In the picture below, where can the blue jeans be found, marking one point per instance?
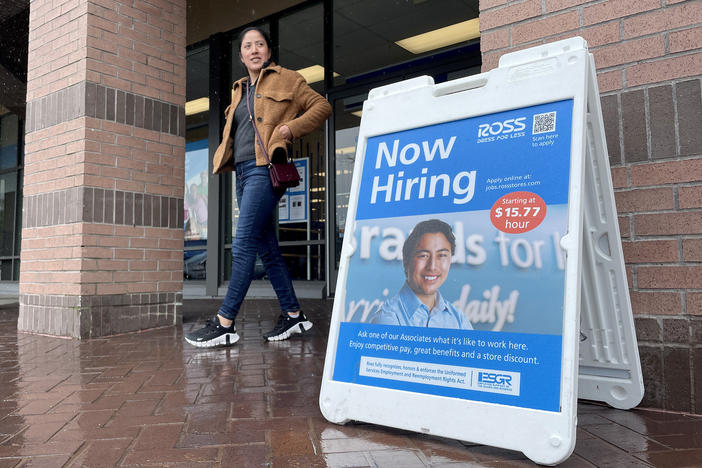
(255, 233)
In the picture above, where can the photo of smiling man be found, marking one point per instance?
(426, 258)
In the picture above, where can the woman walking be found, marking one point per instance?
(282, 106)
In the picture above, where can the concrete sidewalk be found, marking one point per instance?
(150, 399)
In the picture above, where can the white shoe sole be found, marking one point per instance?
(298, 328)
(227, 339)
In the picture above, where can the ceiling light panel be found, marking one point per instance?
(442, 37)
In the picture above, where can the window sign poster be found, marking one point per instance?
(297, 207)
(456, 279)
(292, 207)
(283, 207)
(196, 186)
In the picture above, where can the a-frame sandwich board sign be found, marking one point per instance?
(481, 223)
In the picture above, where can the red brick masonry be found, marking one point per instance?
(102, 237)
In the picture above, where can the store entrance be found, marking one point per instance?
(342, 49)
(302, 212)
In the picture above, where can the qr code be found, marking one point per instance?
(544, 123)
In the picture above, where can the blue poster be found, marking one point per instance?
(196, 187)
(456, 281)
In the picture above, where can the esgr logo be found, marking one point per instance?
(503, 127)
(494, 378)
(497, 381)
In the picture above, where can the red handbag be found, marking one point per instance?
(283, 175)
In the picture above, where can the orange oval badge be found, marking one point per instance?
(518, 212)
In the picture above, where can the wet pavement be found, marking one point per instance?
(150, 399)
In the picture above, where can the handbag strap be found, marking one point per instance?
(251, 119)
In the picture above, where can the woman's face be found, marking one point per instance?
(254, 51)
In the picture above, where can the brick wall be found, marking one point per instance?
(648, 55)
(102, 227)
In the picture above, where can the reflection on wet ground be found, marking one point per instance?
(150, 399)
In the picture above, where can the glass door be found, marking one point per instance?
(345, 125)
(302, 211)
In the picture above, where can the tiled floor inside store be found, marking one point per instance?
(150, 399)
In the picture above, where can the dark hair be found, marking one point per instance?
(425, 227)
(266, 37)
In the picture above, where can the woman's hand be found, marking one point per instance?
(285, 132)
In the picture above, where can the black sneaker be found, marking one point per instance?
(213, 334)
(288, 326)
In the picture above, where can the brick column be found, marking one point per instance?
(102, 227)
(649, 63)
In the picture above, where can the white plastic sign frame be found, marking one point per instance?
(609, 368)
(483, 403)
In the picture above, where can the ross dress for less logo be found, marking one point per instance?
(502, 127)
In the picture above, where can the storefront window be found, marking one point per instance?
(14, 37)
(9, 141)
(8, 206)
(10, 199)
(302, 44)
(196, 164)
(347, 118)
(302, 213)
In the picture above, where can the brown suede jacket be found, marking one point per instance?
(282, 98)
